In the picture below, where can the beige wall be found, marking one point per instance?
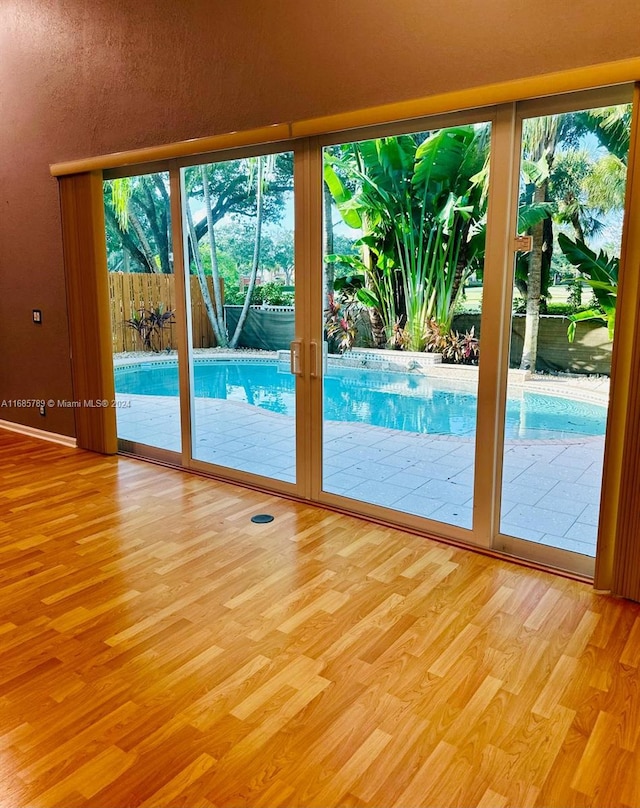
(86, 77)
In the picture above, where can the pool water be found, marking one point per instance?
(401, 401)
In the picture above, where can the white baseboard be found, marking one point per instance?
(42, 434)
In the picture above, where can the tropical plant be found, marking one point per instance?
(461, 349)
(343, 315)
(272, 294)
(605, 187)
(600, 272)
(574, 298)
(418, 202)
(612, 127)
(577, 186)
(540, 138)
(340, 327)
(149, 326)
(138, 224)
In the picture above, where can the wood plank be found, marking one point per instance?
(157, 648)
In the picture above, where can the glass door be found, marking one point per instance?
(397, 391)
(238, 225)
(143, 299)
(570, 210)
(404, 235)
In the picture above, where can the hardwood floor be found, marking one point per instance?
(159, 649)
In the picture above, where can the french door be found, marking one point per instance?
(346, 325)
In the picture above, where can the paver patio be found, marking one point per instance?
(551, 489)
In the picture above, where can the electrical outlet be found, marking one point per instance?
(37, 316)
(43, 409)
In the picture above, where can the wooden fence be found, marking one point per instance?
(130, 292)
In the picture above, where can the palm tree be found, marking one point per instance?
(260, 181)
(540, 138)
(214, 312)
(576, 190)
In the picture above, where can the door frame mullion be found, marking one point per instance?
(308, 254)
(497, 292)
(183, 306)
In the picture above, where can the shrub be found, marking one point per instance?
(456, 348)
(339, 325)
(149, 325)
(269, 294)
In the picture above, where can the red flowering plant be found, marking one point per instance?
(339, 324)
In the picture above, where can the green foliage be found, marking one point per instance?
(601, 273)
(418, 202)
(235, 241)
(612, 127)
(272, 294)
(245, 195)
(232, 186)
(138, 224)
(345, 316)
(149, 326)
(340, 326)
(269, 294)
(121, 190)
(574, 299)
(227, 267)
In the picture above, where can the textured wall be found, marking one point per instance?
(86, 77)
(590, 352)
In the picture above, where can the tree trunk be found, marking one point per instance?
(534, 287)
(157, 218)
(144, 242)
(256, 255)
(378, 331)
(329, 266)
(130, 248)
(219, 333)
(219, 312)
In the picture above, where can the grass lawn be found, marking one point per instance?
(473, 296)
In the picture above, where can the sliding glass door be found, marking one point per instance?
(404, 233)
(143, 299)
(392, 357)
(571, 204)
(238, 222)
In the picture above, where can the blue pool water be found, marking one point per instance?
(400, 401)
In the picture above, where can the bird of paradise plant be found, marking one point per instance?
(418, 205)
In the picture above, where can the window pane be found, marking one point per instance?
(572, 186)
(142, 298)
(404, 233)
(238, 221)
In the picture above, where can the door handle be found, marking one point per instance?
(315, 370)
(295, 354)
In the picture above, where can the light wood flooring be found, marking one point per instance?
(159, 649)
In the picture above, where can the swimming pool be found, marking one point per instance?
(401, 401)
